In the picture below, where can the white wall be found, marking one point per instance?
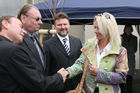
(11, 7)
(77, 31)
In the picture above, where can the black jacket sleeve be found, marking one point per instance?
(26, 74)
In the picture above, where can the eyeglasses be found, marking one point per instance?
(37, 19)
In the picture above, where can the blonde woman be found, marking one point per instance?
(108, 64)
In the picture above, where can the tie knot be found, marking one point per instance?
(32, 37)
(64, 40)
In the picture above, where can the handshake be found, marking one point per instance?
(63, 73)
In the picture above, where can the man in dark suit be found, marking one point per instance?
(129, 41)
(18, 72)
(31, 20)
(62, 50)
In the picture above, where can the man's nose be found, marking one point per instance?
(40, 21)
(63, 26)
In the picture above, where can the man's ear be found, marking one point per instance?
(54, 26)
(5, 24)
(23, 18)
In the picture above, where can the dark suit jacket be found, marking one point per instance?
(57, 57)
(19, 73)
(31, 48)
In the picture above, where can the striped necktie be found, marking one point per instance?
(38, 49)
(66, 46)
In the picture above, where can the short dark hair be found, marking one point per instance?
(60, 15)
(128, 25)
(25, 9)
(7, 18)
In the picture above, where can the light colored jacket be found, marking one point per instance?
(111, 72)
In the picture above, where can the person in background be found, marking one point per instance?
(129, 41)
(62, 50)
(108, 65)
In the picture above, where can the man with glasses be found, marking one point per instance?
(31, 20)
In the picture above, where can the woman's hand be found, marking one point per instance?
(93, 69)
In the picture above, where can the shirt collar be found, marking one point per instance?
(30, 35)
(107, 47)
(61, 38)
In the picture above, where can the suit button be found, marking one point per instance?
(106, 61)
(106, 88)
(105, 68)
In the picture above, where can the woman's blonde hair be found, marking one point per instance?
(108, 25)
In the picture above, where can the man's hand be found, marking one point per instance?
(63, 73)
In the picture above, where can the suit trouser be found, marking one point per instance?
(96, 90)
(128, 87)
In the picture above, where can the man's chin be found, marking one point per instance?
(63, 35)
(37, 29)
(20, 40)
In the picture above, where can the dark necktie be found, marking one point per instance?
(66, 46)
(38, 48)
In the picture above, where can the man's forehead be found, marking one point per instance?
(15, 20)
(33, 11)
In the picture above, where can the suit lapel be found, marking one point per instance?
(59, 45)
(72, 45)
(31, 46)
(44, 57)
